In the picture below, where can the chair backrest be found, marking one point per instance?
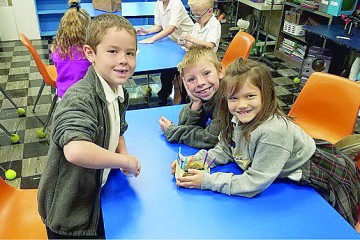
(49, 77)
(221, 17)
(19, 217)
(240, 46)
(327, 107)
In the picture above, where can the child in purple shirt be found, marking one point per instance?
(67, 53)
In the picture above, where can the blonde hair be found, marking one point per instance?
(202, 4)
(100, 24)
(196, 54)
(72, 30)
(235, 76)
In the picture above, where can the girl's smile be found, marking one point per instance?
(246, 103)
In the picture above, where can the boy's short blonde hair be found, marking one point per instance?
(202, 4)
(100, 24)
(195, 55)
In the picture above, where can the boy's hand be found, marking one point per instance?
(142, 31)
(191, 181)
(132, 167)
(197, 102)
(185, 36)
(164, 123)
(181, 42)
(147, 40)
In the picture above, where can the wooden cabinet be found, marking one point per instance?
(289, 38)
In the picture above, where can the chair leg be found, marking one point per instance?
(8, 97)
(38, 96)
(51, 110)
(5, 130)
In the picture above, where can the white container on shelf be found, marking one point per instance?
(293, 29)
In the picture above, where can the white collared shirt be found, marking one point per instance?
(211, 32)
(175, 14)
(114, 114)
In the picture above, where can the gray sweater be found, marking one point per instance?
(194, 128)
(69, 195)
(276, 149)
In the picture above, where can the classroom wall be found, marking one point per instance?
(18, 16)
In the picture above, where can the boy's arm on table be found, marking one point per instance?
(191, 40)
(164, 33)
(192, 129)
(152, 29)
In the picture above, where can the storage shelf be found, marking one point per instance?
(316, 16)
(285, 57)
(300, 38)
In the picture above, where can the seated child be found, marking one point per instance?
(207, 29)
(67, 50)
(87, 138)
(206, 32)
(201, 72)
(266, 144)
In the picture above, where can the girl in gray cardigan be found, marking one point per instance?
(266, 144)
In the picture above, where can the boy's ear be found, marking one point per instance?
(211, 10)
(89, 53)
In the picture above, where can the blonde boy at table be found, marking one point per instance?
(206, 32)
(87, 138)
(171, 19)
(201, 72)
(207, 29)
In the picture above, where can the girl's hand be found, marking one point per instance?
(132, 167)
(147, 40)
(193, 181)
(164, 123)
(197, 102)
(173, 167)
(142, 31)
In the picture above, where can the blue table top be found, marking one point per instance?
(129, 9)
(161, 55)
(330, 32)
(152, 207)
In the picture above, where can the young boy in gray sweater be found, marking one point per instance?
(87, 138)
(201, 72)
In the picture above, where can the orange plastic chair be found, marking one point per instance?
(19, 217)
(327, 107)
(240, 46)
(48, 72)
(221, 17)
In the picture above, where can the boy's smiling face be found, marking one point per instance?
(202, 79)
(115, 57)
(200, 14)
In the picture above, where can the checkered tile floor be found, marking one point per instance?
(20, 78)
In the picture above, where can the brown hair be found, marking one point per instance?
(236, 75)
(72, 30)
(100, 24)
(196, 54)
